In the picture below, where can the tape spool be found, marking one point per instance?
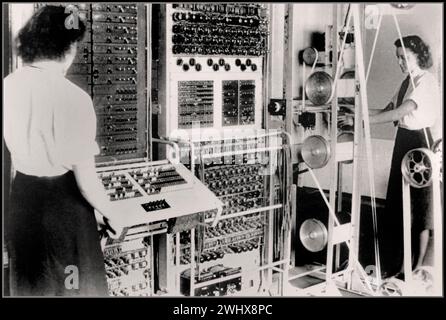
(309, 56)
(319, 87)
(416, 167)
(405, 6)
(315, 152)
(313, 235)
(393, 287)
(423, 280)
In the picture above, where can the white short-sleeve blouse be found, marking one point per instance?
(49, 122)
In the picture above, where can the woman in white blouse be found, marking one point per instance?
(50, 130)
(416, 110)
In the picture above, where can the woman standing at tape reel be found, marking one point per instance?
(50, 130)
(416, 110)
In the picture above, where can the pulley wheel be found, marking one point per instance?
(309, 56)
(315, 152)
(423, 279)
(313, 235)
(393, 287)
(405, 6)
(319, 87)
(417, 167)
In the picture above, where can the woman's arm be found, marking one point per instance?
(93, 191)
(394, 114)
(347, 119)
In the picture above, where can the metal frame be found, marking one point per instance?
(336, 234)
(268, 265)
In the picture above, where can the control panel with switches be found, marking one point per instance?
(155, 191)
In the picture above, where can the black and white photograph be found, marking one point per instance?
(222, 149)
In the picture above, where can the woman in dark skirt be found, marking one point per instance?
(50, 129)
(416, 110)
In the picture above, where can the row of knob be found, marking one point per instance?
(239, 170)
(223, 231)
(226, 40)
(196, 17)
(217, 50)
(238, 9)
(237, 189)
(110, 70)
(235, 183)
(113, 8)
(132, 291)
(211, 255)
(241, 204)
(212, 30)
(215, 65)
(118, 150)
(125, 259)
(124, 270)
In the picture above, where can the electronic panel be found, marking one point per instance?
(128, 267)
(110, 66)
(118, 79)
(195, 103)
(218, 29)
(215, 281)
(240, 172)
(214, 56)
(156, 191)
(238, 102)
(147, 196)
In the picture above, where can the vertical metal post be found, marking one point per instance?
(150, 251)
(288, 62)
(438, 231)
(177, 264)
(192, 263)
(339, 209)
(333, 163)
(356, 184)
(407, 230)
(148, 49)
(267, 71)
(288, 81)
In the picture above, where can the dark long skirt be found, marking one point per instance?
(392, 222)
(54, 243)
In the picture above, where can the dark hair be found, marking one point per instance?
(47, 35)
(419, 48)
